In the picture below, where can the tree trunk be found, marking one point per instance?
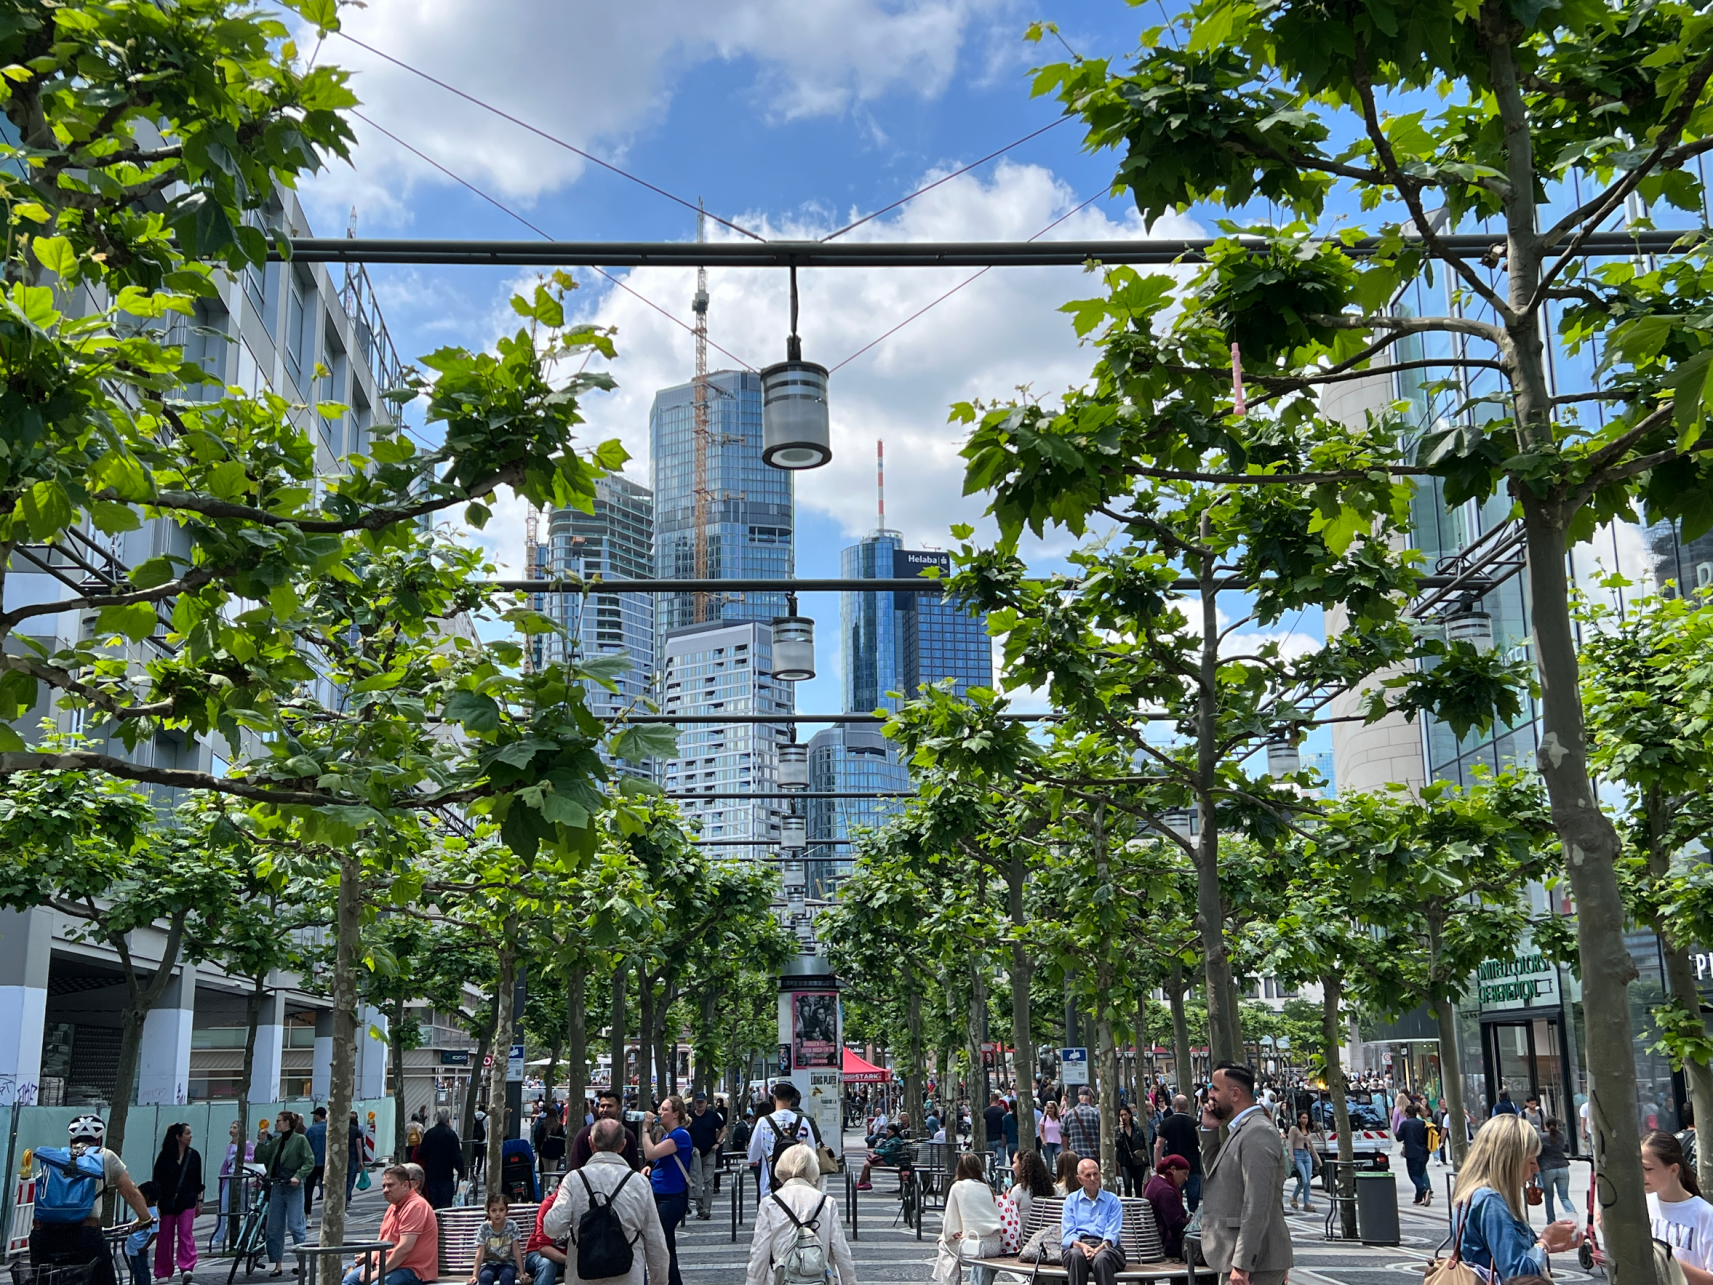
(140, 1002)
(1225, 1036)
(1451, 1074)
(1144, 1036)
(341, 1088)
(1108, 1087)
(401, 1117)
(645, 1039)
(1180, 1030)
(252, 1020)
(552, 1077)
(1332, 989)
(913, 1059)
(576, 1045)
(616, 1032)
(472, 1095)
(978, 1068)
(504, 1018)
(1022, 978)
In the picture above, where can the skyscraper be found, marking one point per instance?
(748, 506)
(891, 643)
(722, 663)
(615, 542)
(725, 668)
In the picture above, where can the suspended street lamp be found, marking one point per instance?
(794, 767)
(793, 647)
(795, 429)
(1467, 623)
(793, 833)
(1283, 758)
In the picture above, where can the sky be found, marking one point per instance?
(791, 120)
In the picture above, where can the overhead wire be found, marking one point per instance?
(551, 138)
(903, 200)
(539, 231)
(960, 285)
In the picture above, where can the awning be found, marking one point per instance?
(858, 1071)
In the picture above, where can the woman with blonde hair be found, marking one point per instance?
(1488, 1203)
(797, 1201)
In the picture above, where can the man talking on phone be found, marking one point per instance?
(1243, 1232)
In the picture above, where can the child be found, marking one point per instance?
(499, 1248)
(137, 1243)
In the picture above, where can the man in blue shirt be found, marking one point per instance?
(1089, 1230)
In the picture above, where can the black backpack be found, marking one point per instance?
(602, 1250)
(782, 1142)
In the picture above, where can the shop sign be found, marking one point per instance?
(454, 1057)
(1528, 981)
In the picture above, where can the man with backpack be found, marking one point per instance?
(776, 1133)
(70, 1182)
(608, 1214)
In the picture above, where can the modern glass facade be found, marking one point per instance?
(615, 542)
(749, 505)
(850, 758)
(895, 642)
(725, 668)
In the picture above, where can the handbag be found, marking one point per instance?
(825, 1158)
(1010, 1223)
(1043, 1246)
(1533, 1194)
(1453, 1270)
(362, 1180)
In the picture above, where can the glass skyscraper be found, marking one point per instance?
(749, 505)
(615, 542)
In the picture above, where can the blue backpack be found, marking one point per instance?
(67, 1184)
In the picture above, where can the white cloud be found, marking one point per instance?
(597, 74)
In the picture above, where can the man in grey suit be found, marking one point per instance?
(1243, 1232)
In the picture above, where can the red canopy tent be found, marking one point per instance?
(858, 1071)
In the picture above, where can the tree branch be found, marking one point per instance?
(1414, 325)
(176, 778)
(1615, 450)
(191, 580)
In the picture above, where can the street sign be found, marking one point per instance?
(514, 1064)
(487, 1060)
(1073, 1066)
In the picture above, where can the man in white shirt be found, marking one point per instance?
(784, 1122)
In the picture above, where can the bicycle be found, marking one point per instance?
(251, 1246)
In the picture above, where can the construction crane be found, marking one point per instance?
(703, 434)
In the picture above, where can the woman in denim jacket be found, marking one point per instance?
(1497, 1238)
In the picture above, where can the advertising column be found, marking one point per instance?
(811, 1043)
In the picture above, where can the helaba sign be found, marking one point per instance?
(907, 564)
(1522, 982)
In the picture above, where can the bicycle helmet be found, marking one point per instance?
(87, 1128)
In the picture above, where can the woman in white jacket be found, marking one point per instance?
(799, 1172)
(971, 1227)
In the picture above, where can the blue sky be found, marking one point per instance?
(790, 118)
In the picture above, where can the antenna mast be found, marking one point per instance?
(703, 436)
(880, 477)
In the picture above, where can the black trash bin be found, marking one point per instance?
(1377, 1208)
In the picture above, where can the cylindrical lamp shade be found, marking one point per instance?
(1283, 759)
(793, 833)
(794, 650)
(794, 767)
(1472, 627)
(795, 430)
(1181, 822)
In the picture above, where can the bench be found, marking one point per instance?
(458, 1236)
(1144, 1258)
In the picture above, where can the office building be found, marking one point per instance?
(725, 668)
(615, 542)
(893, 643)
(747, 507)
(845, 759)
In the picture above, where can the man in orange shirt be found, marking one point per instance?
(410, 1226)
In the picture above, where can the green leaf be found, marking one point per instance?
(56, 255)
(479, 714)
(47, 509)
(136, 621)
(152, 572)
(645, 741)
(10, 741)
(228, 481)
(111, 518)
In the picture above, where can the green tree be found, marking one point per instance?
(1316, 109)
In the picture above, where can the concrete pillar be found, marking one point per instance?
(26, 949)
(163, 1070)
(321, 1061)
(269, 1062)
(371, 1052)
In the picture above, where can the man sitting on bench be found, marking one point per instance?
(892, 1153)
(1089, 1230)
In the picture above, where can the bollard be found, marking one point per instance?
(737, 1197)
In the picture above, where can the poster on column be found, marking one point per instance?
(827, 1105)
(815, 1029)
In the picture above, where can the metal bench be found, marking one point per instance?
(1144, 1258)
(458, 1235)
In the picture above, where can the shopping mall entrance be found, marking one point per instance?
(1527, 1057)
